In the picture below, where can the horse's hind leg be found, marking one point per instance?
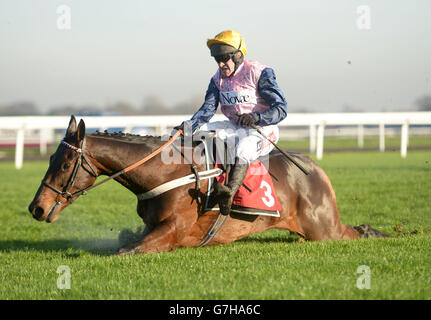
(324, 224)
(349, 232)
(316, 210)
(328, 226)
(319, 218)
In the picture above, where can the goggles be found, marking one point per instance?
(224, 57)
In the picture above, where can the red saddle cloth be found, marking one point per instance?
(257, 189)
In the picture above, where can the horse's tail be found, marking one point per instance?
(365, 231)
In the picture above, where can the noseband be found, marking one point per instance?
(79, 162)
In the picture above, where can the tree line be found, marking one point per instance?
(152, 105)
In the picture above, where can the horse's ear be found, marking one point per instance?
(80, 133)
(71, 129)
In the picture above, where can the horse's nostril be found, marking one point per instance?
(38, 212)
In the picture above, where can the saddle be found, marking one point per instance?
(256, 196)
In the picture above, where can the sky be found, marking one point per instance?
(327, 55)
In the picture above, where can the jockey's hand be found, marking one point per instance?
(247, 120)
(176, 128)
(185, 129)
(180, 127)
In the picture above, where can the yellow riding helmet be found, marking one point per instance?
(231, 38)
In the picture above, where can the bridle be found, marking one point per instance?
(79, 162)
(82, 158)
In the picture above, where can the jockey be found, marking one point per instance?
(249, 96)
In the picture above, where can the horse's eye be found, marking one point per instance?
(66, 166)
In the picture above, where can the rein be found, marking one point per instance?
(69, 196)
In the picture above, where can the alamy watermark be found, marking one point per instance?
(363, 20)
(364, 280)
(64, 18)
(63, 280)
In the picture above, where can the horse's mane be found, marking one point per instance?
(154, 141)
(128, 137)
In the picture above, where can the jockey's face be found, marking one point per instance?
(227, 68)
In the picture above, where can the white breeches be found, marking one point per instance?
(244, 143)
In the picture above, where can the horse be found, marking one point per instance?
(174, 218)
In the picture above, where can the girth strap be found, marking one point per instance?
(215, 228)
(208, 174)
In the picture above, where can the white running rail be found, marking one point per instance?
(315, 121)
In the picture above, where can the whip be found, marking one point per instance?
(283, 152)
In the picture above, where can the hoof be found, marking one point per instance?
(365, 231)
(126, 251)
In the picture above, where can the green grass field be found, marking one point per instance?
(371, 143)
(390, 193)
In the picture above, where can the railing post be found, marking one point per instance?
(312, 138)
(161, 129)
(404, 138)
(360, 136)
(128, 128)
(382, 137)
(19, 148)
(320, 137)
(43, 140)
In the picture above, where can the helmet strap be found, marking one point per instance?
(237, 61)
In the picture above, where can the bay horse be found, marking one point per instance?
(173, 219)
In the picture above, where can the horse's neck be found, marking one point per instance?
(111, 156)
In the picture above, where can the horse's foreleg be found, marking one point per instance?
(161, 238)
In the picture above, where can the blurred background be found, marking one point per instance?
(148, 58)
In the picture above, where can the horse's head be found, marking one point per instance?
(69, 173)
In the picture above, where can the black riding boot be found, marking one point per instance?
(225, 193)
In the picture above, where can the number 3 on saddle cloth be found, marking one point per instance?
(256, 195)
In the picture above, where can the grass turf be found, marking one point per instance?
(388, 192)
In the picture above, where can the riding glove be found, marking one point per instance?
(185, 127)
(248, 120)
